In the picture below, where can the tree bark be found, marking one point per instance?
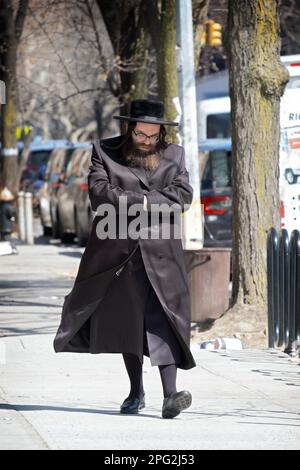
(130, 39)
(133, 51)
(162, 26)
(131, 44)
(11, 30)
(257, 81)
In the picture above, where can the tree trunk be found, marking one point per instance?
(257, 81)
(11, 30)
(131, 42)
(134, 51)
(125, 23)
(139, 77)
(166, 62)
(9, 151)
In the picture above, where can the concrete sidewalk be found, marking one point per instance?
(241, 399)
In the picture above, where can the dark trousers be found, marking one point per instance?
(160, 342)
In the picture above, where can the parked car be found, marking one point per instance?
(73, 206)
(35, 160)
(216, 191)
(46, 195)
(83, 213)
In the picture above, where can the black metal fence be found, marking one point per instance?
(283, 262)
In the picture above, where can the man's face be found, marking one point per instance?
(145, 136)
(141, 148)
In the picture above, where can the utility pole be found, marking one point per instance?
(2, 92)
(192, 219)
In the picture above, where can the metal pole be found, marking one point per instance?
(29, 219)
(292, 347)
(21, 216)
(272, 240)
(284, 267)
(193, 218)
(297, 299)
(2, 92)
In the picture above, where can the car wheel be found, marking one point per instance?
(47, 231)
(81, 239)
(55, 226)
(67, 237)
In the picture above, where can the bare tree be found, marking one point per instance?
(65, 59)
(104, 53)
(126, 23)
(102, 57)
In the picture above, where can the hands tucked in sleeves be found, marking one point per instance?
(178, 192)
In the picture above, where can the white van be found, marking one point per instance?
(214, 119)
(214, 123)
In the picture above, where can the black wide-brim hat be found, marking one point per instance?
(149, 111)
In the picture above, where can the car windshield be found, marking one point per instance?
(39, 157)
(218, 126)
(217, 172)
(67, 158)
(294, 82)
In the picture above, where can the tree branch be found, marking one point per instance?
(55, 50)
(20, 19)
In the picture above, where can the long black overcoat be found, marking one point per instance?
(96, 298)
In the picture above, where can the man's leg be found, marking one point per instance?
(134, 369)
(174, 402)
(168, 375)
(136, 400)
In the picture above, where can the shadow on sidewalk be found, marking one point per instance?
(15, 407)
(243, 416)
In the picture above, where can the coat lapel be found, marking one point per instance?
(141, 174)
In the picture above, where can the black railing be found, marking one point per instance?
(283, 264)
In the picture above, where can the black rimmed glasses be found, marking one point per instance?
(141, 137)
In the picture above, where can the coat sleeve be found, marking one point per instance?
(101, 191)
(178, 192)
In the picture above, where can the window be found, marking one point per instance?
(217, 173)
(86, 161)
(39, 157)
(294, 82)
(218, 126)
(73, 167)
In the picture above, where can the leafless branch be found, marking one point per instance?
(20, 18)
(55, 50)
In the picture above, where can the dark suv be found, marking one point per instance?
(216, 191)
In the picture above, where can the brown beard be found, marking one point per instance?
(137, 158)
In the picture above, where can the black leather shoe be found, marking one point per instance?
(175, 403)
(132, 405)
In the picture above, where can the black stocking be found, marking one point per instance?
(134, 369)
(168, 374)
